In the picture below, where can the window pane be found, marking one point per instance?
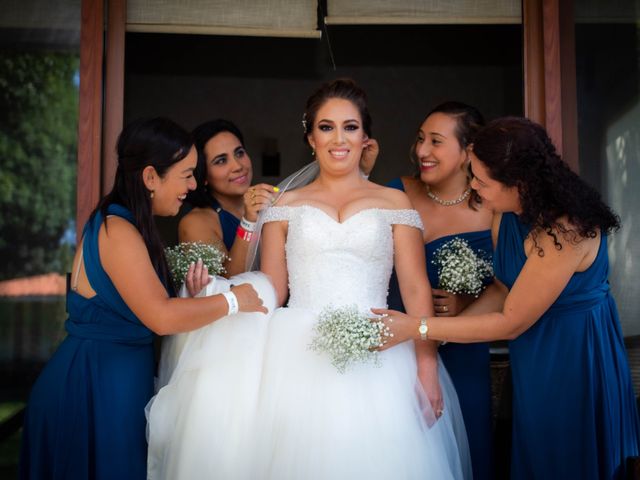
(608, 84)
(39, 80)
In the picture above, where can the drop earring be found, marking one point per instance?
(151, 194)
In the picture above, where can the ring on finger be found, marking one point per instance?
(445, 308)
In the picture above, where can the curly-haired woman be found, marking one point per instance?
(574, 411)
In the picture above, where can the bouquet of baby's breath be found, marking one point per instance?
(348, 336)
(460, 268)
(180, 257)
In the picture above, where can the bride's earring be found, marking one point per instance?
(151, 194)
(313, 153)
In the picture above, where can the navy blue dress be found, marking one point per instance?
(467, 364)
(574, 410)
(85, 417)
(228, 222)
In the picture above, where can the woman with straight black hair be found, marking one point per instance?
(225, 205)
(85, 417)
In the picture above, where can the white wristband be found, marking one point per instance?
(247, 225)
(232, 300)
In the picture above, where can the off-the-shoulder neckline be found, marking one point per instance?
(368, 209)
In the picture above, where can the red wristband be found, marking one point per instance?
(244, 234)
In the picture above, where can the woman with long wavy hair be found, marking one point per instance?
(574, 410)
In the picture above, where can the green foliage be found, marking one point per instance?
(38, 138)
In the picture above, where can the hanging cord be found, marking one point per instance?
(322, 14)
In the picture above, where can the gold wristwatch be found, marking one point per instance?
(423, 329)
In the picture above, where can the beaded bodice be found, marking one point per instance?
(340, 263)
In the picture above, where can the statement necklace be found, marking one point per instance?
(448, 203)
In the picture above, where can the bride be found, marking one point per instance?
(249, 398)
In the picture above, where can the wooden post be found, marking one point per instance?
(114, 89)
(90, 110)
(533, 45)
(549, 72)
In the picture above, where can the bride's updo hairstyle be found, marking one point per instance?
(519, 153)
(343, 88)
(159, 143)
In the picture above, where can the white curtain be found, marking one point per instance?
(351, 12)
(278, 18)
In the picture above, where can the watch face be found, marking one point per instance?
(422, 329)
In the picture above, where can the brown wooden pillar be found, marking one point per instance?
(549, 72)
(114, 89)
(533, 45)
(90, 110)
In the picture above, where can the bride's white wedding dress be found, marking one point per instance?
(249, 399)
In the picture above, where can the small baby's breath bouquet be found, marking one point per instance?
(348, 336)
(460, 268)
(182, 255)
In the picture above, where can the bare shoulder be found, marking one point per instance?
(391, 198)
(200, 224)
(564, 241)
(199, 214)
(200, 219)
(118, 229)
(118, 238)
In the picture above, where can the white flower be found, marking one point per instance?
(348, 336)
(180, 257)
(460, 268)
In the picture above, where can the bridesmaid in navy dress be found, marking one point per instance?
(85, 417)
(224, 194)
(574, 410)
(442, 195)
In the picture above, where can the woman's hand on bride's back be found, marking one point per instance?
(248, 299)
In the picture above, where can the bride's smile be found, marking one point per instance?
(337, 136)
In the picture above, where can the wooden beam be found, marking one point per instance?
(552, 71)
(90, 110)
(569, 87)
(549, 72)
(533, 45)
(114, 89)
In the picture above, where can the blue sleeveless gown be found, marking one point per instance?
(228, 222)
(85, 417)
(574, 410)
(467, 364)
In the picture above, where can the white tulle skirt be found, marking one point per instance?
(248, 399)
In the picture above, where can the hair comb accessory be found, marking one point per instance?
(304, 122)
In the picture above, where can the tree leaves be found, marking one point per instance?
(38, 138)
